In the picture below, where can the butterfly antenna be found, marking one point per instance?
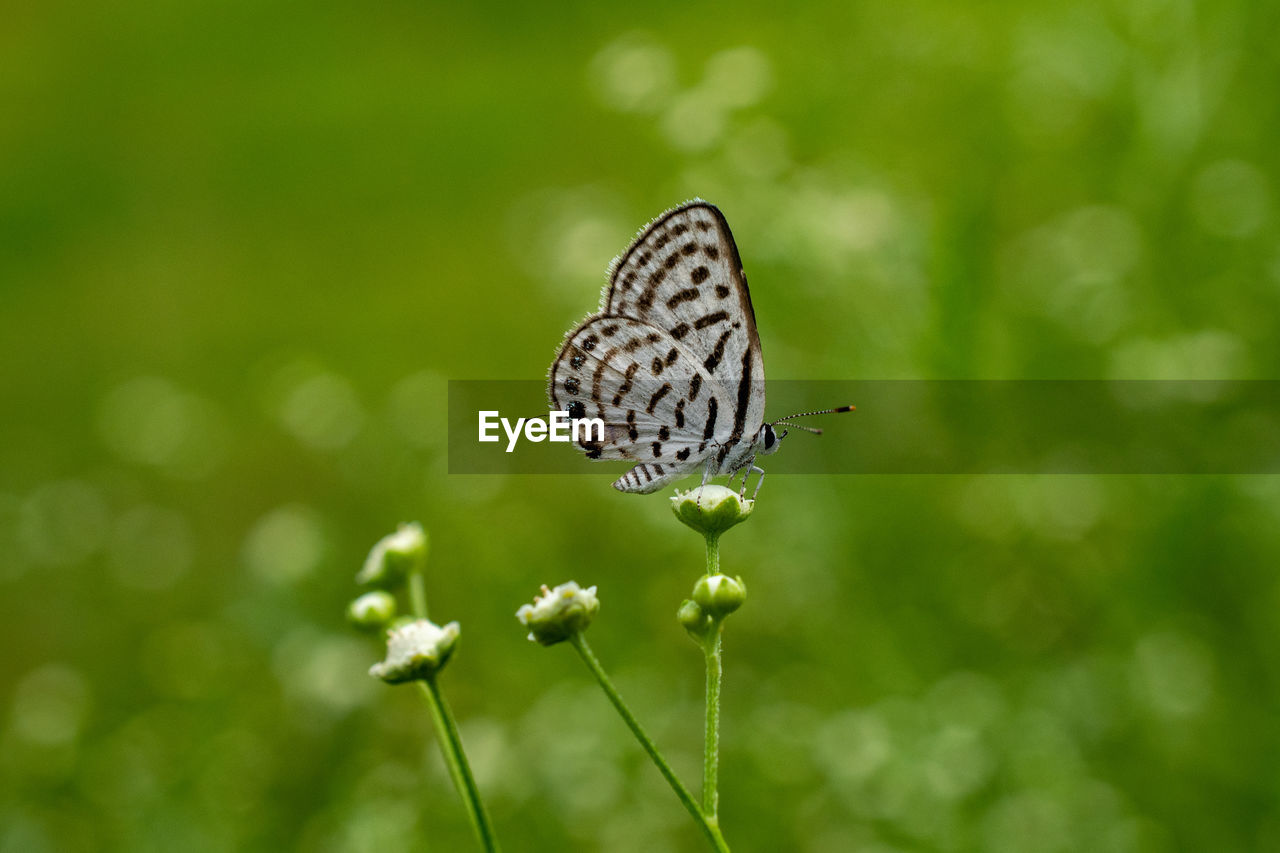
(788, 422)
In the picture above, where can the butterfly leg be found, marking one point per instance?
(746, 470)
(759, 481)
(706, 476)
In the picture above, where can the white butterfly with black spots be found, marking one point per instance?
(672, 364)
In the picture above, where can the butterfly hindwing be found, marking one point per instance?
(654, 397)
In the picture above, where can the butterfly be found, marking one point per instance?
(671, 364)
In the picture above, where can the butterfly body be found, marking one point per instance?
(671, 363)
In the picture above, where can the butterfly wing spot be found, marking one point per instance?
(711, 319)
(713, 360)
(713, 409)
(657, 397)
(689, 294)
(699, 274)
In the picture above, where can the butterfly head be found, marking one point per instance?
(768, 439)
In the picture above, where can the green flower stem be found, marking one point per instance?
(711, 742)
(711, 739)
(418, 594)
(713, 553)
(459, 769)
(709, 826)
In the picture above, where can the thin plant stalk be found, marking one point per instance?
(418, 595)
(711, 737)
(450, 741)
(459, 769)
(708, 825)
(711, 741)
(713, 554)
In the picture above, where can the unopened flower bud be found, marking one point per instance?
(695, 620)
(719, 595)
(395, 557)
(416, 651)
(559, 613)
(372, 611)
(711, 510)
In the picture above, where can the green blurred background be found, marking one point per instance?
(244, 245)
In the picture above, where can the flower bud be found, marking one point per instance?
(416, 651)
(719, 595)
(695, 620)
(711, 510)
(395, 557)
(559, 613)
(372, 611)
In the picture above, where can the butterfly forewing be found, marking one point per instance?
(672, 364)
(683, 275)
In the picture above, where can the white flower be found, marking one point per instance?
(373, 610)
(395, 556)
(559, 613)
(415, 651)
(711, 509)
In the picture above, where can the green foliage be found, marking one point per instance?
(243, 245)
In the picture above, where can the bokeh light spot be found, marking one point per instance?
(852, 745)
(1230, 198)
(62, 523)
(1172, 674)
(322, 411)
(50, 705)
(1027, 822)
(286, 544)
(417, 409)
(324, 672)
(151, 547)
(738, 77)
(633, 74)
(152, 421)
(695, 121)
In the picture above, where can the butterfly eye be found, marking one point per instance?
(769, 438)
